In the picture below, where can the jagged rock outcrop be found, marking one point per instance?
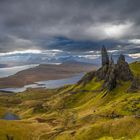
(102, 72)
(111, 80)
(87, 78)
(112, 73)
(105, 57)
(121, 59)
(123, 71)
(111, 60)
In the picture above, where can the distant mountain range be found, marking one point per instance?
(59, 56)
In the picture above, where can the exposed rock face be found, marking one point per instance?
(111, 80)
(102, 73)
(105, 57)
(111, 60)
(87, 78)
(111, 73)
(121, 59)
(135, 85)
(123, 71)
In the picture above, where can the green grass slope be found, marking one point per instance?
(76, 112)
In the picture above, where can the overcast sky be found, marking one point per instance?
(41, 24)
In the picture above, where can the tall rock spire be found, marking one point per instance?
(112, 73)
(111, 60)
(105, 57)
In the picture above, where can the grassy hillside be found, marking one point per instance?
(77, 112)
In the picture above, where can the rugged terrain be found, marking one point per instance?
(103, 105)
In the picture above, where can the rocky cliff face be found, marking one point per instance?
(123, 71)
(113, 73)
(105, 57)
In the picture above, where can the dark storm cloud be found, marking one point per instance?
(24, 22)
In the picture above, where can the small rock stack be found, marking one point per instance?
(113, 73)
(123, 71)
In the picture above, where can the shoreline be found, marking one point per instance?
(49, 84)
(44, 72)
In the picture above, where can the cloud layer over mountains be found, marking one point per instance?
(69, 24)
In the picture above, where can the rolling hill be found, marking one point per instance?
(88, 110)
